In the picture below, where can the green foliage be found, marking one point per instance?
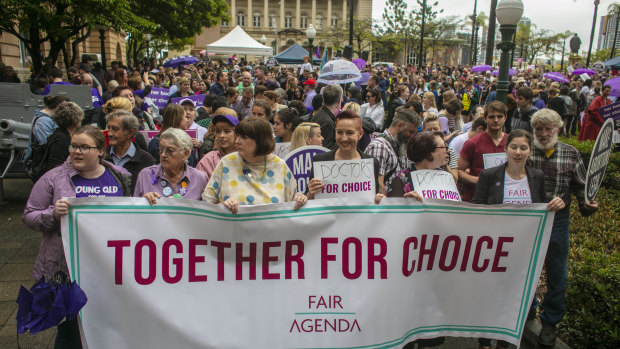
(592, 299)
(612, 175)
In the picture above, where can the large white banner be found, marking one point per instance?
(345, 274)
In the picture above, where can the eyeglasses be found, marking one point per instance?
(82, 148)
(443, 147)
(167, 151)
(369, 96)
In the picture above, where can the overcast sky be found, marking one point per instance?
(555, 15)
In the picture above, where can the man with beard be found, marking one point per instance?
(387, 148)
(565, 175)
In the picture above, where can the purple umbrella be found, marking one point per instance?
(511, 72)
(583, 71)
(363, 80)
(615, 86)
(556, 76)
(481, 68)
(359, 63)
(179, 61)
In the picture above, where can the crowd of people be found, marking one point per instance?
(406, 119)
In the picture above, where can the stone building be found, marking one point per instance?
(288, 19)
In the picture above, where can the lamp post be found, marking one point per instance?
(311, 33)
(509, 14)
(148, 41)
(263, 40)
(102, 30)
(420, 60)
(563, 49)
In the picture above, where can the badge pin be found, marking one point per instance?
(498, 184)
(184, 184)
(163, 183)
(183, 191)
(167, 191)
(177, 196)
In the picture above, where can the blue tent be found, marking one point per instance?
(613, 63)
(294, 55)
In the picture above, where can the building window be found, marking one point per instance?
(223, 23)
(334, 21)
(273, 21)
(304, 22)
(241, 19)
(288, 20)
(319, 22)
(256, 20)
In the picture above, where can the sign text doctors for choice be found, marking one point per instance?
(346, 178)
(435, 184)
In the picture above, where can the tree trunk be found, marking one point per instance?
(488, 58)
(34, 48)
(65, 57)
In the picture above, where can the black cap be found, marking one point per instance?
(85, 67)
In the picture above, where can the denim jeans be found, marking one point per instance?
(553, 306)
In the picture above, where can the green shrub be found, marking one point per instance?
(592, 297)
(612, 175)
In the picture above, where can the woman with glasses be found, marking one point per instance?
(172, 177)
(83, 174)
(252, 175)
(373, 108)
(427, 151)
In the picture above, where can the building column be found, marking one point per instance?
(314, 13)
(250, 14)
(344, 11)
(281, 13)
(329, 14)
(266, 10)
(233, 15)
(298, 15)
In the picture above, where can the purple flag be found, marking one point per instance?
(317, 53)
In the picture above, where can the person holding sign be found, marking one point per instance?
(253, 175)
(83, 174)
(172, 177)
(565, 175)
(307, 133)
(427, 151)
(224, 126)
(284, 123)
(348, 133)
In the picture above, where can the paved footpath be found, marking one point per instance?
(18, 249)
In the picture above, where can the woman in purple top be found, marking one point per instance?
(84, 174)
(172, 177)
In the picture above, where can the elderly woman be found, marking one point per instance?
(68, 117)
(172, 177)
(427, 151)
(307, 133)
(83, 174)
(284, 124)
(173, 117)
(348, 133)
(122, 128)
(253, 175)
(373, 108)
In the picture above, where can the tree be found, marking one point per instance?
(363, 36)
(443, 29)
(35, 22)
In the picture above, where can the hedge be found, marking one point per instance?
(593, 297)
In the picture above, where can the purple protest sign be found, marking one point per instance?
(148, 135)
(197, 99)
(299, 161)
(158, 96)
(611, 111)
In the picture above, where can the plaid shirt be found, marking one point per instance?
(565, 173)
(381, 150)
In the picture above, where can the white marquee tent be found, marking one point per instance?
(239, 42)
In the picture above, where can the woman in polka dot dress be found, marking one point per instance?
(253, 175)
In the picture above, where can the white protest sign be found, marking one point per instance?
(185, 274)
(493, 159)
(599, 158)
(584, 76)
(616, 137)
(435, 184)
(282, 149)
(346, 178)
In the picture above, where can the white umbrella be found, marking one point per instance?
(339, 72)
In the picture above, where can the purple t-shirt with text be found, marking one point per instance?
(104, 185)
